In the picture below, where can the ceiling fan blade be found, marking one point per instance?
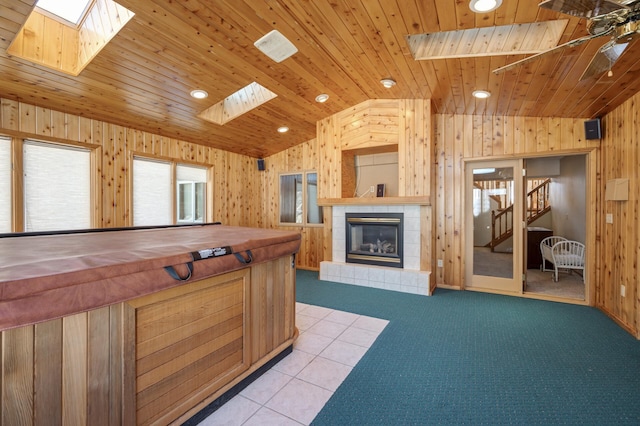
(583, 8)
(572, 43)
(604, 59)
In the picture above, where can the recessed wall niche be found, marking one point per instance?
(364, 168)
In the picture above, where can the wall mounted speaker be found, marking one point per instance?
(592, 129)
(261, 164)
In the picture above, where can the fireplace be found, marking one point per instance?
(374, 239)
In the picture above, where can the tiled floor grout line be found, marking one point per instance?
(294, 391)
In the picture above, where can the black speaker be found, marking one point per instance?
(592, 129)
(261, 164)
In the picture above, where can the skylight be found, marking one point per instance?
(244, 100)
(69, 10)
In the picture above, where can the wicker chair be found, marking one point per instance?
(566, 254)
(545, 249)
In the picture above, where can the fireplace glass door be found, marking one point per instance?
(374, 239)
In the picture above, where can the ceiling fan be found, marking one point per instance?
(618, 19)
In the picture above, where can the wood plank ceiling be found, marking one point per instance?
(143, 77)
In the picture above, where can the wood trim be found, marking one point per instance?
(17, 188)
(375, 201)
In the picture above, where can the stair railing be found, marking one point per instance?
(502, 220)
(501, 226)
(538, 201)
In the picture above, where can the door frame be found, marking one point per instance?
(592, 183)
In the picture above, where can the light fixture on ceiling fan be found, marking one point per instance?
(621, 21)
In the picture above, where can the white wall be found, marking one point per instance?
(482, 225)
(373, 169)
(543, 167)
(568, 199)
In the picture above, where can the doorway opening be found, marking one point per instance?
(513, 206)
(563, 199)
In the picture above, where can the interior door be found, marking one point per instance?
(493, 213)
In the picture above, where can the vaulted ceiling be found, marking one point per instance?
(142, 77)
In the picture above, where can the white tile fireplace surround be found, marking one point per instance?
(408, 279)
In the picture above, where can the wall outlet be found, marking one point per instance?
(609, 218)
(440, 263)
(372, 189)
(623, 290)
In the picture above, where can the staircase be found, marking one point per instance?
(502, 219)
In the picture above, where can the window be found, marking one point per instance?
(153, 184)
(69, 10)
(5, 184)
(151, 193)
(298, 199)
(57, 187)
(192, 183)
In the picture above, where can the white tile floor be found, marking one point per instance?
(294, 391)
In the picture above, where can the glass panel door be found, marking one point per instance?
(494, 226)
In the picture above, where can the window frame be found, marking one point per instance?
(174, 163)
(194, 201)
(305, 200)
(17, 177)
(75, 25)
(8, 185)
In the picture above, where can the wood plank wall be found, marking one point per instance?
(237, 186)
(244, 196)
(619, 242)
(403, 125)
(300, 158)
(464, 137)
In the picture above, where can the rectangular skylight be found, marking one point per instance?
(244, 100)
(69, 10)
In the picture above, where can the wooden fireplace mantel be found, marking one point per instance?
(375, 201)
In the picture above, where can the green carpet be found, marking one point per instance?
(473, 358)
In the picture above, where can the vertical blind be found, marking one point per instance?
(151, 193)
(5, 184)
(57, 193)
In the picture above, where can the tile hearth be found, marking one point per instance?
(409, 279)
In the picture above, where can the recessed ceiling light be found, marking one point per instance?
(283, 129)
(388, 82)
(199, 94)
(484, 6)
(322, 98)
(481, 94)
